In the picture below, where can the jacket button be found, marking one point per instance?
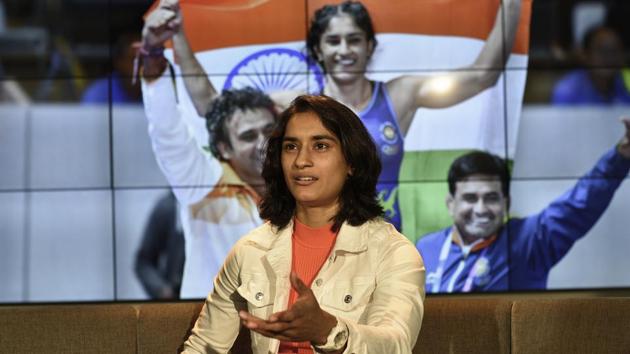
(347, 299)
(259, 296)
(319, 282)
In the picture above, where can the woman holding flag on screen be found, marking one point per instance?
(341, 39)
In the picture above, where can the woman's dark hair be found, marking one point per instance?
(358, 202)
(479, 163)
(322, 18)
(222, 108)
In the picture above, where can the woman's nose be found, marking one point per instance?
(303, 159)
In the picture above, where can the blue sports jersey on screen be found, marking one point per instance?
(577, 88)
(380, 120)
(526, 249)
(99, 91)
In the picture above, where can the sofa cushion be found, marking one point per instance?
(68, 329)
(571, 326)
(463, 325)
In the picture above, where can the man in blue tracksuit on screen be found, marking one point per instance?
(481, 252)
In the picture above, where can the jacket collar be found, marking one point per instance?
(279, 252)
(351, 239)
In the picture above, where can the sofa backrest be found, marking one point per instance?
(68, 329)
(457, 325)
(571, 326)
(450, 325)
(163, 328)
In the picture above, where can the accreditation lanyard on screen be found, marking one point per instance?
(446, 247)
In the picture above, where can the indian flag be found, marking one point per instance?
(261, 43)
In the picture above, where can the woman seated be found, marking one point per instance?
(325, 273)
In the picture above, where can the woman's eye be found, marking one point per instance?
(321, 146)
(289, 147)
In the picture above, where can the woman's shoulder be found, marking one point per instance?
(379, 230)
(259, 234)
(388, 244)
(250, 242)
(262, 237)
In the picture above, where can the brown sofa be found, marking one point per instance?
(451, 325)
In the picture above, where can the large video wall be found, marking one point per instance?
(84, 206)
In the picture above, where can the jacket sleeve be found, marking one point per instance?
(190, 171)
(395, 313)
(218, 323)
(554, 230)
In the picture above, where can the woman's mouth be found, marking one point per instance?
(305, 180)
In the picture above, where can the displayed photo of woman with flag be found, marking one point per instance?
(433, 61)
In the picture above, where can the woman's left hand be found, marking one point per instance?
(304, 321)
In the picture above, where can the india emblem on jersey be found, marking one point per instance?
(390, 145)
(482, 271)
(388, 133)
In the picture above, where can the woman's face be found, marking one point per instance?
(313, 164)
(344, 49)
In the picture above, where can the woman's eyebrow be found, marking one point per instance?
(323, 137)
(314, 137)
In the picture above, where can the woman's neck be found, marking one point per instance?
(316, 216)
(355, 95)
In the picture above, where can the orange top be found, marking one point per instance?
(311, 247)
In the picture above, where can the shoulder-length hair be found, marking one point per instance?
(358, 202)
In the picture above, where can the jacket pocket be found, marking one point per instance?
(349, 295)
(257, 290)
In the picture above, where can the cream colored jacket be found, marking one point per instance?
(373, 282)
